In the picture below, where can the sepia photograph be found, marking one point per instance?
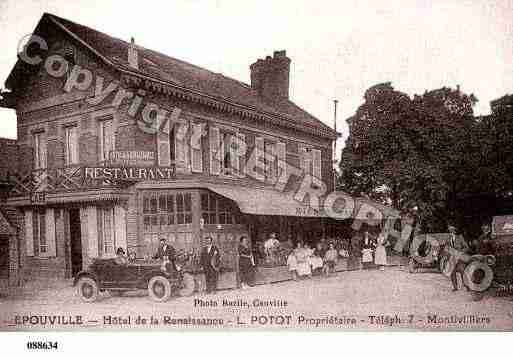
(230, 165)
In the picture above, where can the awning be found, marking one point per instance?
(262, 201)
(267, 201)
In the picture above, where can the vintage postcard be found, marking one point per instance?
(214, 165)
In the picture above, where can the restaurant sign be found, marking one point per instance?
(129, 173)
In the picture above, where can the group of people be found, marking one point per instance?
(209, 261)
(304, 260)
(483, 245)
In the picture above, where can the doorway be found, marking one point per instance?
(4, 256)
(75, 240)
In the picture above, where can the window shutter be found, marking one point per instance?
(120, 228)
(51, 250)
(43, 144)
(316, 164)
(303, 153)
(196, 149)
(259, 159)
(281, 158)
(108, 139)
(215, 164)
(92, 231)
(74, 145)
(163, 153)
(234, 154)
(29, 233)
(241, 142)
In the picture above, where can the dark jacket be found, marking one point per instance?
(165, 251)
(210, 260)
(458, 242)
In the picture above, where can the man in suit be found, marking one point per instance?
(210, 263)
(458, 243)
(166, 253)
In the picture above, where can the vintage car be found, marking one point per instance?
(162, 281)
(492, 271)
(430, 254)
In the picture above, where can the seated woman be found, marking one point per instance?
(120, 257)
(303, 266)
(316, 260)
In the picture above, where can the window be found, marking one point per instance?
(172, 151)
(307, 161)
(106, 232)
(71, 145)
(209, 208)
(40, 232)
(270, 163)
(225, 145)
(218, 210)
(162, 210)
(39, 150)
(106, 138)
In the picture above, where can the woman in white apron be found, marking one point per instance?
(380, 257)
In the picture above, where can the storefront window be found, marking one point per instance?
(162, 210)
(218, 210)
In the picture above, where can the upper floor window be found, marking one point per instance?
(39, 150)
(71, 145)
(106, 138)
(311, 162)
(225, 156)
(271, 165)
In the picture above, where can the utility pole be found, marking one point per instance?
(335, 102)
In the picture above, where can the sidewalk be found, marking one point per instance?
(31, 289)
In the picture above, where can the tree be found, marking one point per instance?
(414, 154)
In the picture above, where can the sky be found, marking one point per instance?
(338, 49)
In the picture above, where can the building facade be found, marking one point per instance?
(119, 146)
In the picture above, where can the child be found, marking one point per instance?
(292, 264)
(330, 259)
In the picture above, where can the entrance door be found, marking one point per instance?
(76, 241)
(4, 256)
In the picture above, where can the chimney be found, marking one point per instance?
(133, 56)
(270, 77)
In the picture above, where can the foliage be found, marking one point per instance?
(421, 155)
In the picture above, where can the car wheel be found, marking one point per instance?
(87, 289)
(159, 289)
(189, 285)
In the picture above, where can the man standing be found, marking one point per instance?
(484, 244)
(166, 253)
(210, 261)
(458, 243)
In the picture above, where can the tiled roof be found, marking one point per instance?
(176, 72)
